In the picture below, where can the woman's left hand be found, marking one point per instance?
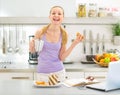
(79, 38)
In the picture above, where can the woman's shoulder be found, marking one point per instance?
(39, 33)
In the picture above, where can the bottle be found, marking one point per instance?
(102, 12)
(92, 10)
(82, 10)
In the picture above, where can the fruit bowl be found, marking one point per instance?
(101, 64)
(105, 58)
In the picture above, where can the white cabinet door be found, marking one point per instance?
(20, 76)
(74, 75)
(68, 75)
(100, 76)
(35, 76)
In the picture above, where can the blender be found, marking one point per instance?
(33, 57)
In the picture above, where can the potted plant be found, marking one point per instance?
(116, 33)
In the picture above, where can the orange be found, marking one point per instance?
(40, 82)
(101, 61)
(98, 57)
(106, 55)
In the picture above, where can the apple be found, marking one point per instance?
(107, 60)
(113, 59)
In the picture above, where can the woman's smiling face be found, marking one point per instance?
(56, 15)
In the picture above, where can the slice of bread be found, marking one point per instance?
(56, 78)
(53, 79)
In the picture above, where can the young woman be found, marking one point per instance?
(54, 50)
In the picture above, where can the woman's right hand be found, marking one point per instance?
(32, 46)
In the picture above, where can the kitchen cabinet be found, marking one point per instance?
(74, 75)
(75, 70)
(100, 76)
(35, 76)
(68, 75)
(16, 76)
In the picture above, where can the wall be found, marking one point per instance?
(35, 8)
(40, 8)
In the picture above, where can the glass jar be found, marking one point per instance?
(82, 10)
(102, 12)
(92, 10)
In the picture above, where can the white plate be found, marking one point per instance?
(46, 86)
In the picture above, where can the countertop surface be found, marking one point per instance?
(25, 87)
(26, 67)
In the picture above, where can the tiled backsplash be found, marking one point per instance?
(105, 30)
(24, 30)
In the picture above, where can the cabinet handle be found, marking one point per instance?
(20, 77)
(99, 76)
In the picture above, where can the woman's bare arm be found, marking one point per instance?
(32, 42)
(65, 52)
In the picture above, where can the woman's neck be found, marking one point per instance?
(54, 28)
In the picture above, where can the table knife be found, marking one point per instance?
(84, 42)
(4, 41)
(97, 43)
(103, 43)
(91, 41)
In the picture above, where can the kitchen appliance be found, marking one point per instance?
(33, 57)
(89, 59)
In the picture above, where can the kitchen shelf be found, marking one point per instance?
(67, 20)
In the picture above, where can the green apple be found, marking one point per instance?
(107, 60)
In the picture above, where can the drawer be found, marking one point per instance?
(20, 76)
(69, 75)
(100, 76)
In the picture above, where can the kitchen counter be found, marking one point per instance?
(26, 67)
(23, 87)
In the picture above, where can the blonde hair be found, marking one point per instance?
(58, 7)
(63, 32)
